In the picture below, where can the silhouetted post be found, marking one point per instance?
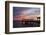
(38, 18)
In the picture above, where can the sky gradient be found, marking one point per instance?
(25, 11)
(20, 13)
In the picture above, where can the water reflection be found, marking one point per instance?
(26, 24)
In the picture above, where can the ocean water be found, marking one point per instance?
(18, 24)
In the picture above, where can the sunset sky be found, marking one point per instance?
(25, 11)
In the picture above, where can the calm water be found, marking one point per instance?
(17, 24)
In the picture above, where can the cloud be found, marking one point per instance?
(31, 12)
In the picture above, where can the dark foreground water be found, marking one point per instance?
(18, 24)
